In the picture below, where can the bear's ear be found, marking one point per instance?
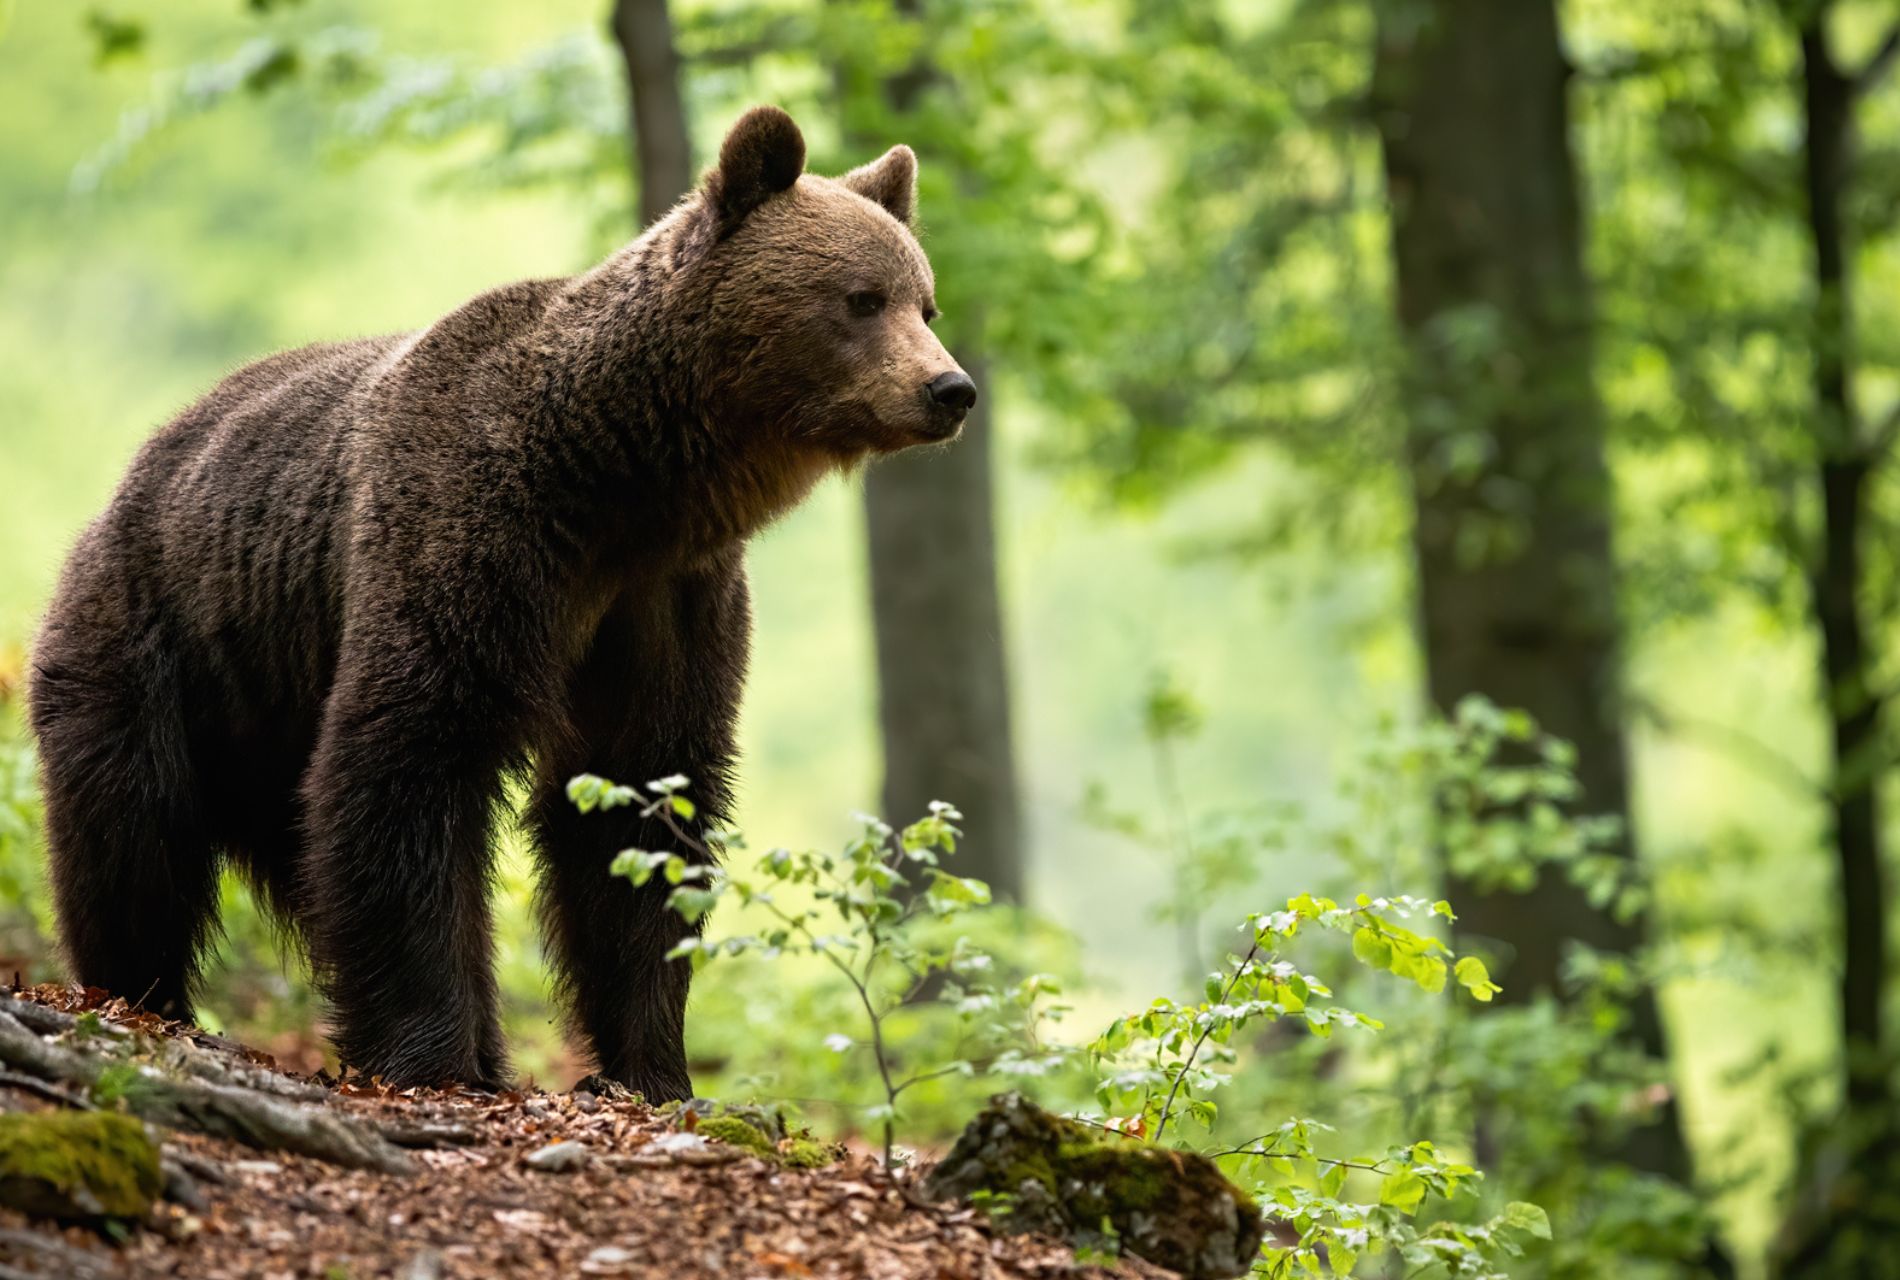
(762, 155)
(890, 180)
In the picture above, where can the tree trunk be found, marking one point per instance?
(1847, 1222)
(1516, 575)
(656, 113)
(943, 686)
(943, 693)
(1845, 463)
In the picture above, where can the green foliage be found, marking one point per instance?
(1163, 1063)
(872, 912)
(868, 913)
(1336, 1233)
(1163, 1057)
(1549, 1089)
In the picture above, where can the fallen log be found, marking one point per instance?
(251, 1116)
(189, 1057)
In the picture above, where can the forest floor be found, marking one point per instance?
(636, 1195)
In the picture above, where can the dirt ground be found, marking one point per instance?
(642, 1198)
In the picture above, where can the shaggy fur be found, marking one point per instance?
(336, 601)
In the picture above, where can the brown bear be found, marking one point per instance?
(338, 601)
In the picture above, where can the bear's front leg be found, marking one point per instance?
(609, 941)
(657, 694)
(394, 892)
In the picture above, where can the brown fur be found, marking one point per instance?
(338, 599)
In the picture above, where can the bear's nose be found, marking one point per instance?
(953, 391)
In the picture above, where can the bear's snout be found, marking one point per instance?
(951, 395)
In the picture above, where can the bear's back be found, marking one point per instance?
(232, 529)
(224, 532)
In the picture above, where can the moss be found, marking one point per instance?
(87, 1165)
(800, 1152)
(1031, 1166)
(804, 1153)
(1050, 1174)
(735, 1132)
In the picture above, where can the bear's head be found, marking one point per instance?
(821, 287)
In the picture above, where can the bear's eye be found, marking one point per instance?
(864, 303)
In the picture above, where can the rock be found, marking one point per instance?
(677, 1144)
(78, 1166)
(677, 1148)
(181, 1188)
(426, 1265)
(1047, 1174)
(559, 1157)
(607, 1260)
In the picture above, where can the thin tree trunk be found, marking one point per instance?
(1516, 573)
(1847, 1222)
(1845, 463)
(943, 686)
(656, 112)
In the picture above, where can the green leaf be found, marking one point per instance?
(1403, 1190)
(583, 792)
(1523, 1216)
(1371, 949)
(1331, 1182)
(962, 890)
(692, 903)
(1475, 978)
(637, 865)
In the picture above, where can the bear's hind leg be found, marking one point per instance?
(134, 876)
(393, 897)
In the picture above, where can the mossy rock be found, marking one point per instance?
(735, 1132)
(806, 1153)
(797, 1152)
(1047, 1174)
(84, 1165)
(695, 1112)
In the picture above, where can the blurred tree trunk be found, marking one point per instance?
(656, 111)
(1516, 575)
(943, 691)
(1850, 1223)
(943, 686)
(1845, 461)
